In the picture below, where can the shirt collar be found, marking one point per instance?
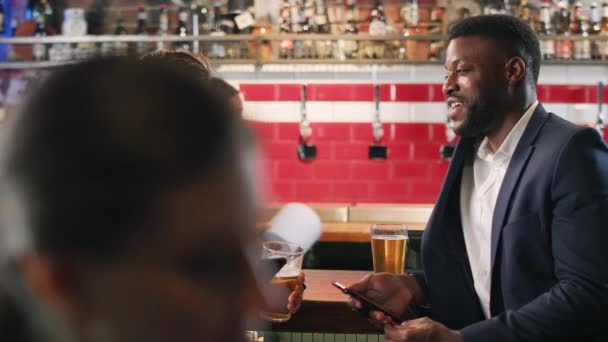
(506, 150)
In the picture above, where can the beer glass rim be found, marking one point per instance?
(387, 225)
(298, 249)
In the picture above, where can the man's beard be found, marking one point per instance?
(484, 115)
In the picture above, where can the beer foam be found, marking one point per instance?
(389, 237)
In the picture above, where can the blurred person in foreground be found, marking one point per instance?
(134, 207)
(515, 249)
(199, 66)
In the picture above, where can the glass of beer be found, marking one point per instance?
(389, 247)
(284, 283)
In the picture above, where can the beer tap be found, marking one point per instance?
(194, 8)
(305, 150)
(601, 116)
(377, 150)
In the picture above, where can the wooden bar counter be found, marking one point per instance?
(324, 308)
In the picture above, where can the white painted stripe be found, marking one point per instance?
(390, 112)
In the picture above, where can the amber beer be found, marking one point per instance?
(389, 247)
(281, 288)
(284, 282)
(389, 253)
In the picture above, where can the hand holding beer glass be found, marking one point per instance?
(285, 282)
(389, 247)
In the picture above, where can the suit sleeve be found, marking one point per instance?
(576, 305)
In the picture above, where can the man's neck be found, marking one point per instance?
(498, 136)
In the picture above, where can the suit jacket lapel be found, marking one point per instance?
(520, 158)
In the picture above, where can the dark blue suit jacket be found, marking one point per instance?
(549, 242)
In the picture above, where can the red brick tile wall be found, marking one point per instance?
(342, 172)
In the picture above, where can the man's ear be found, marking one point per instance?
(53, 283)
(515, 70)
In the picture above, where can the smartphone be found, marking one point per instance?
(271, 267)
(368, 303)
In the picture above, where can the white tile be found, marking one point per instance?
(277, 111)
(428, 112)
(249, 110)
(322, 111)
(559, 109)
(428, 74)
(353, 111)
(393, 112)
(583, 114)
(586, 74)
(552, 74)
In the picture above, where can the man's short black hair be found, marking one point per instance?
(512, 34)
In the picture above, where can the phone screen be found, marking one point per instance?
(368, 303)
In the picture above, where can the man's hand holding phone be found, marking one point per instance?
(395, 293)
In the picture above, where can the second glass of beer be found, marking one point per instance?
(285, 281)
(389, 247)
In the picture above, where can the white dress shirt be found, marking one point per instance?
(481, 180)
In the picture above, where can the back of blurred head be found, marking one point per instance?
(126, 177)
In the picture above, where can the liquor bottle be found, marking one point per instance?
(285, 45)
(217, 48)
(182, 28)
(604, 32)
(203, 18)
(525, 13)
(2, 18)
(594, 30)
(298, 21)
(409, 13)
(50, 19)
(39, 52)
(351, 47)
(561, 20)
(29, 9)
(583, 49)
(142, 27)
(163, 24)
(377, 27)
(322, 26)
(547, 46)
(307, 27)
(120, 48)
(163, 19)
(575, 30)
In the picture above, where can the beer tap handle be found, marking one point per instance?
(305, 129)
(377, 124)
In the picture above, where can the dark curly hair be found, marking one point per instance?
(508, 33)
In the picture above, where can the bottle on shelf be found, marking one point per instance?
(285, 45)
(2, 18)
(120, 48)
(142, 27)
(603, 43)
(39, 50)
(217, 49)
(163, 24)
(547, 45)
(561, 22)
(50, 19)
(576, 30)
(324, 47)
(377, 27)
(298, 20)
(350, 47)
(307, 27)
(594, 30)
(182, 28)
